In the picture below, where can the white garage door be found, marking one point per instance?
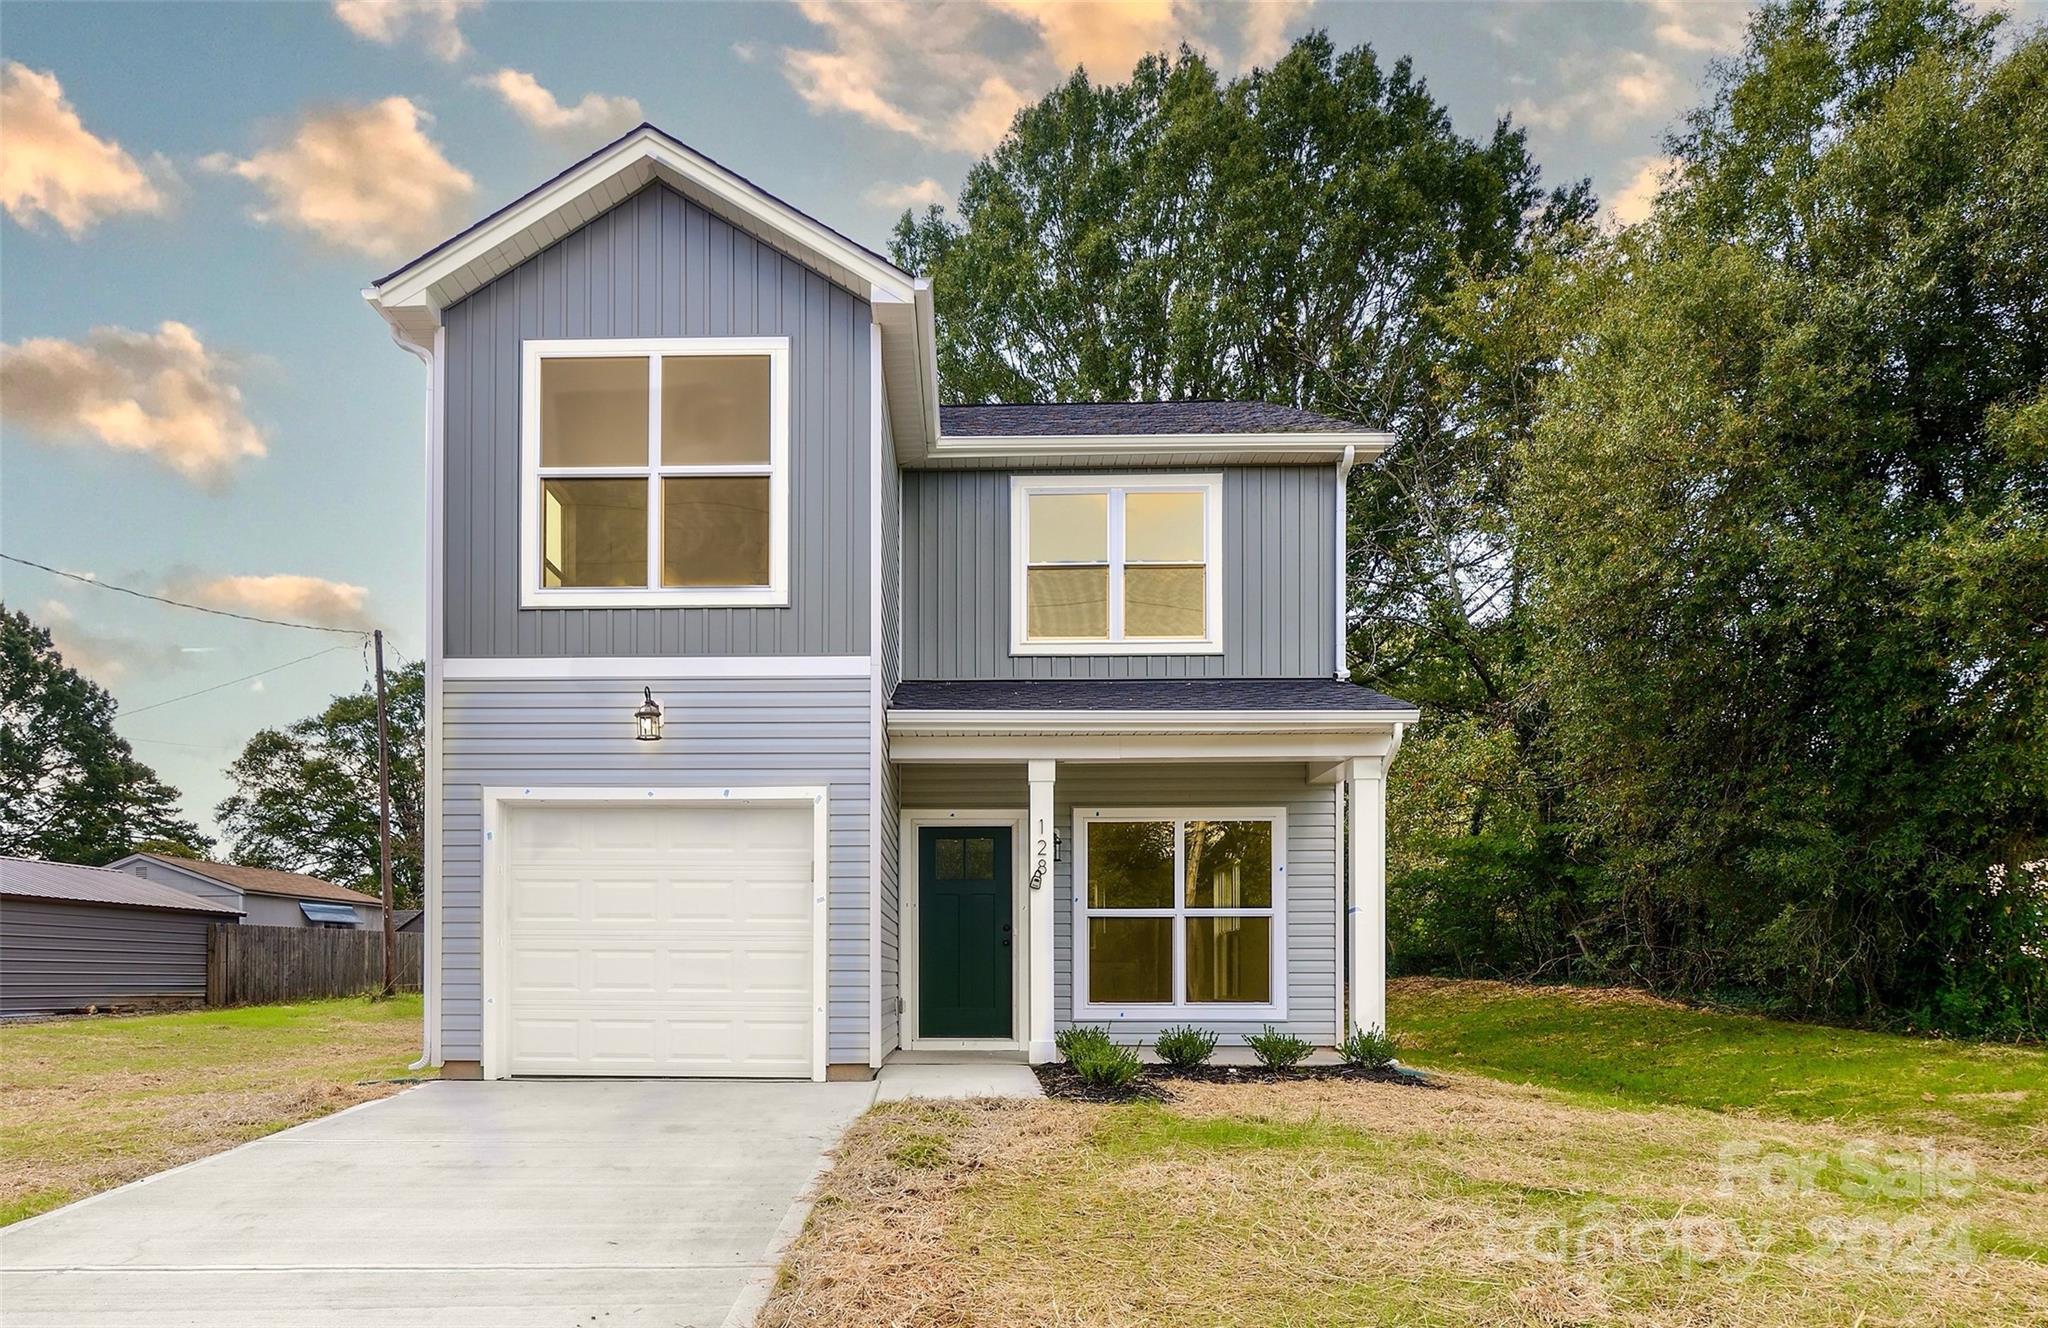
(659, 940)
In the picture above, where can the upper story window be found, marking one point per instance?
(1116, 564)
(656, 472)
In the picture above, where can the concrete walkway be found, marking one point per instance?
(487, 1204)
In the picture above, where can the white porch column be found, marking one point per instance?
(1038, 833)
(1368, 802)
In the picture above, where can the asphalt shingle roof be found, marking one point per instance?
(1136, 418)
(1143, 694)
(266, 881)
(67, 882)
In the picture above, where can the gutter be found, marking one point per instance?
(1338, 642)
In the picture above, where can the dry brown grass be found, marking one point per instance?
(1333, 1202)
(88, 1104)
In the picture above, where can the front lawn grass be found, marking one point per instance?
(86, 1104)
(1627, 1047)
(1611, 1189)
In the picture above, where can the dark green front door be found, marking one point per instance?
(963, 937)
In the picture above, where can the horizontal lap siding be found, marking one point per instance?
(1279, 584)
(1313, 906)
(57, 956)
(659, 266)
(716, 733)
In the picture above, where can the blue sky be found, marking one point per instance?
(198, 403)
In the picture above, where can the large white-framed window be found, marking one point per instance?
(1180, 913)
(1116, 564)
(654, 472)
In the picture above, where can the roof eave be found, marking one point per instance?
(1022, 723)
(1364, 445)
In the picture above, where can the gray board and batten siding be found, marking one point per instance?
(658, 265)
(1277, 563)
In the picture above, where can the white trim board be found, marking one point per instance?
(496, 922)
(910, 866)
(577, 668)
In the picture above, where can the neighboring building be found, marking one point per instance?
(976, 721)
(265, 898)
(409, 921)
(82, 938)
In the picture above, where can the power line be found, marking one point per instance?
(158, 705)
(181, 604)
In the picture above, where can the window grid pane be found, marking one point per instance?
(593, 412)
(594, 532)
(715, 410)
(1066, 603)
(1165, 602)
(714, 531)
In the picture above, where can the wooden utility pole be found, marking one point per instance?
(384, 826)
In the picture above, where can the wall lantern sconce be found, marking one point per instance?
(1059, 847)
(648, 717)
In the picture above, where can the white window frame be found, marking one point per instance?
(1180, 1007)
(1210, 486)
(534, 593)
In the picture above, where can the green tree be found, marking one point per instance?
(71, 789)
(305, 797)
(1788, 506)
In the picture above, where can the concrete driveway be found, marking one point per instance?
(500, 1204)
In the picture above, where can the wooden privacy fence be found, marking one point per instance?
(257, 965)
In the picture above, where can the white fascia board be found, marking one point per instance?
(1194, 722)
(1251, 447)
(410, 285)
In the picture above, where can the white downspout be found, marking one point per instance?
(1343, 556)
(430, 851)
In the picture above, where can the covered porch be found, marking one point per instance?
(1136, 854)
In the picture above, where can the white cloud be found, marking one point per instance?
(1709, 26)
(365, 178)
(1269, 29)
(435, 23)
(310, 599)
(1107, 37)
(921, 194)
(52, 166)
(954, 75)
(1636, 198)
(595, 118)
(163, 394)
(1608, 97)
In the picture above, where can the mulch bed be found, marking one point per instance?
(1061, 1081)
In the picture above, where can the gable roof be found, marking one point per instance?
(411, 298)
(68, 882)
(259, 880)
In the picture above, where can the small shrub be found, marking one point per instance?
(1369, 1047)
(1185, 1047)
(1277, 1051)
(1069, 1041)
(1105, 1065)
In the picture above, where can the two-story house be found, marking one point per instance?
(781, 718)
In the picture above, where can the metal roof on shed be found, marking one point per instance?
(68, 882)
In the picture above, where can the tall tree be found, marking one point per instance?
(1788, 498)
(71, 789)
(306, 796)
